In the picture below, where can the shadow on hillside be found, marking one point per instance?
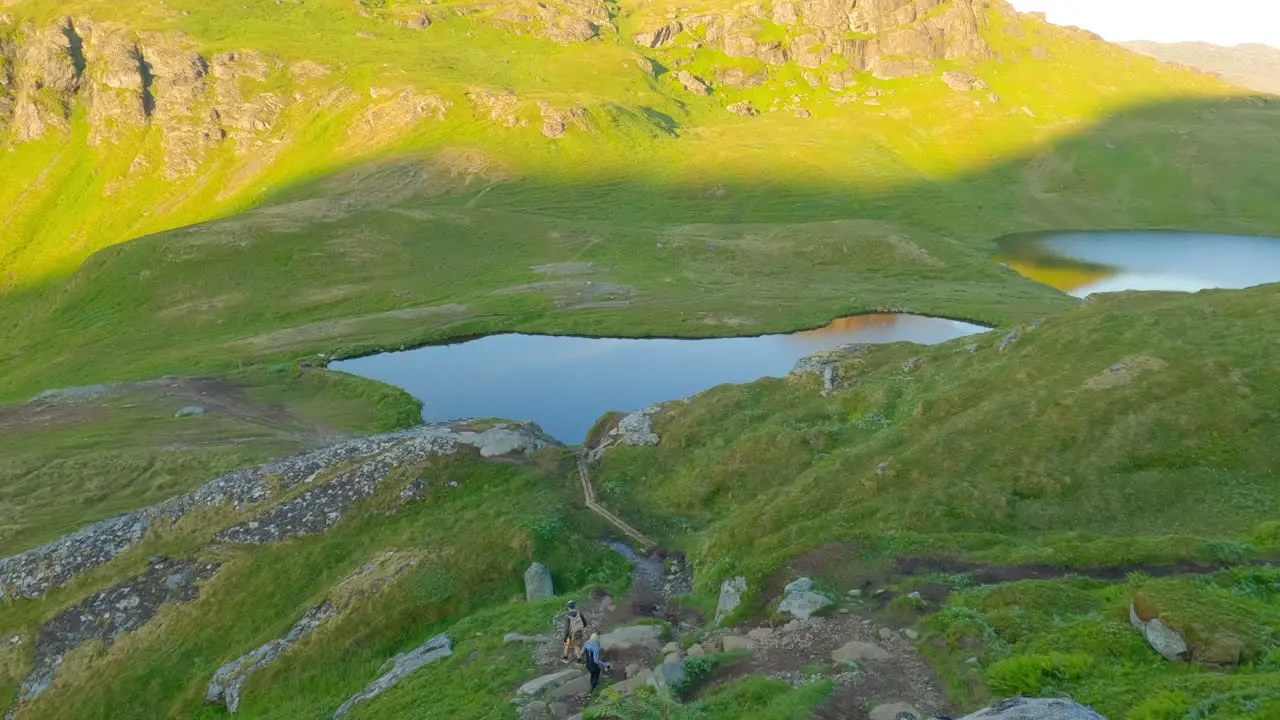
(1207, 165)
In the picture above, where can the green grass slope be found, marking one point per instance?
(355, 218)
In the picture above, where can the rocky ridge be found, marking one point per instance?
(887, 38)
(359, 466)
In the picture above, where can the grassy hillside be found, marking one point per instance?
(397, 188)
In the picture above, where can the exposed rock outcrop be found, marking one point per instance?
(437, 648)
(32, 573)
(228, 682)
(107, 614)
(962, 81)
(556, 121)
(692, 83)
(889, 38)
(826, 364)
(50, 66)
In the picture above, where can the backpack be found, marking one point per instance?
(576, 623)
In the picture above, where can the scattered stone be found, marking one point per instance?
(580, 685)
(894, 711)
(436, 648)
(856, 650)
(802, 113)
(743, 108)
(855, 593)
(1020, 708)
(733, 643)
(189, 411)
(731, 591)
(962, 81)
(537, 583)
(993, 97)
(695, 650)
(912, 365)
(884, 633)
(419, 21)
(911, 634)
(915, 595)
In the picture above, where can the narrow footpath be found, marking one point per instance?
(589, 494)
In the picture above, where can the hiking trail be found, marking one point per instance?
(589, 494)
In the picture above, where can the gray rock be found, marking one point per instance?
(189, 411)
(33, 573)
(548, 682)
(1165, 640)
(895, 711)
(734, 643)
(521, 638)
(537, 583)
(1020, 708)
(668, 674)
(803, 604)
(731, 591)
(436, 648)
(911, 634)
(671, 647)
(108, 613)
(962, 81)
(695, 650)
(1014, 336)
(229, 680)
(630, 685)
(648, 637)
(800, 585)
(826, 364)
(856, 650)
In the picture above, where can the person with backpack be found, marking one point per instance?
(575, 630)
(591, 655)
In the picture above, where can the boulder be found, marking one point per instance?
(1020, 708)
(668, 674)
(695, 650)
(648, 637)
(537, 583)
(189, 411)
(551, 681)
(580, 685)
(735, 643)
(736, 77)
(800, 600)
(962, 81)
(895, 711)
(436, 648)
(692, 83)
(731, 591)
(660, 37)
(630, 685)
(743, 108)
(856, 651)
(671, 647)
(1165, 640)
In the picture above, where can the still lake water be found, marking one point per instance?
(1082, 263)
(566, 383)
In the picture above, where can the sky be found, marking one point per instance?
(1221, 22)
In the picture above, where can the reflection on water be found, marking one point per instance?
(1092, 262)
(566, 383)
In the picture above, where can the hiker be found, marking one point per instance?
(575, 628)
(591, 654)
